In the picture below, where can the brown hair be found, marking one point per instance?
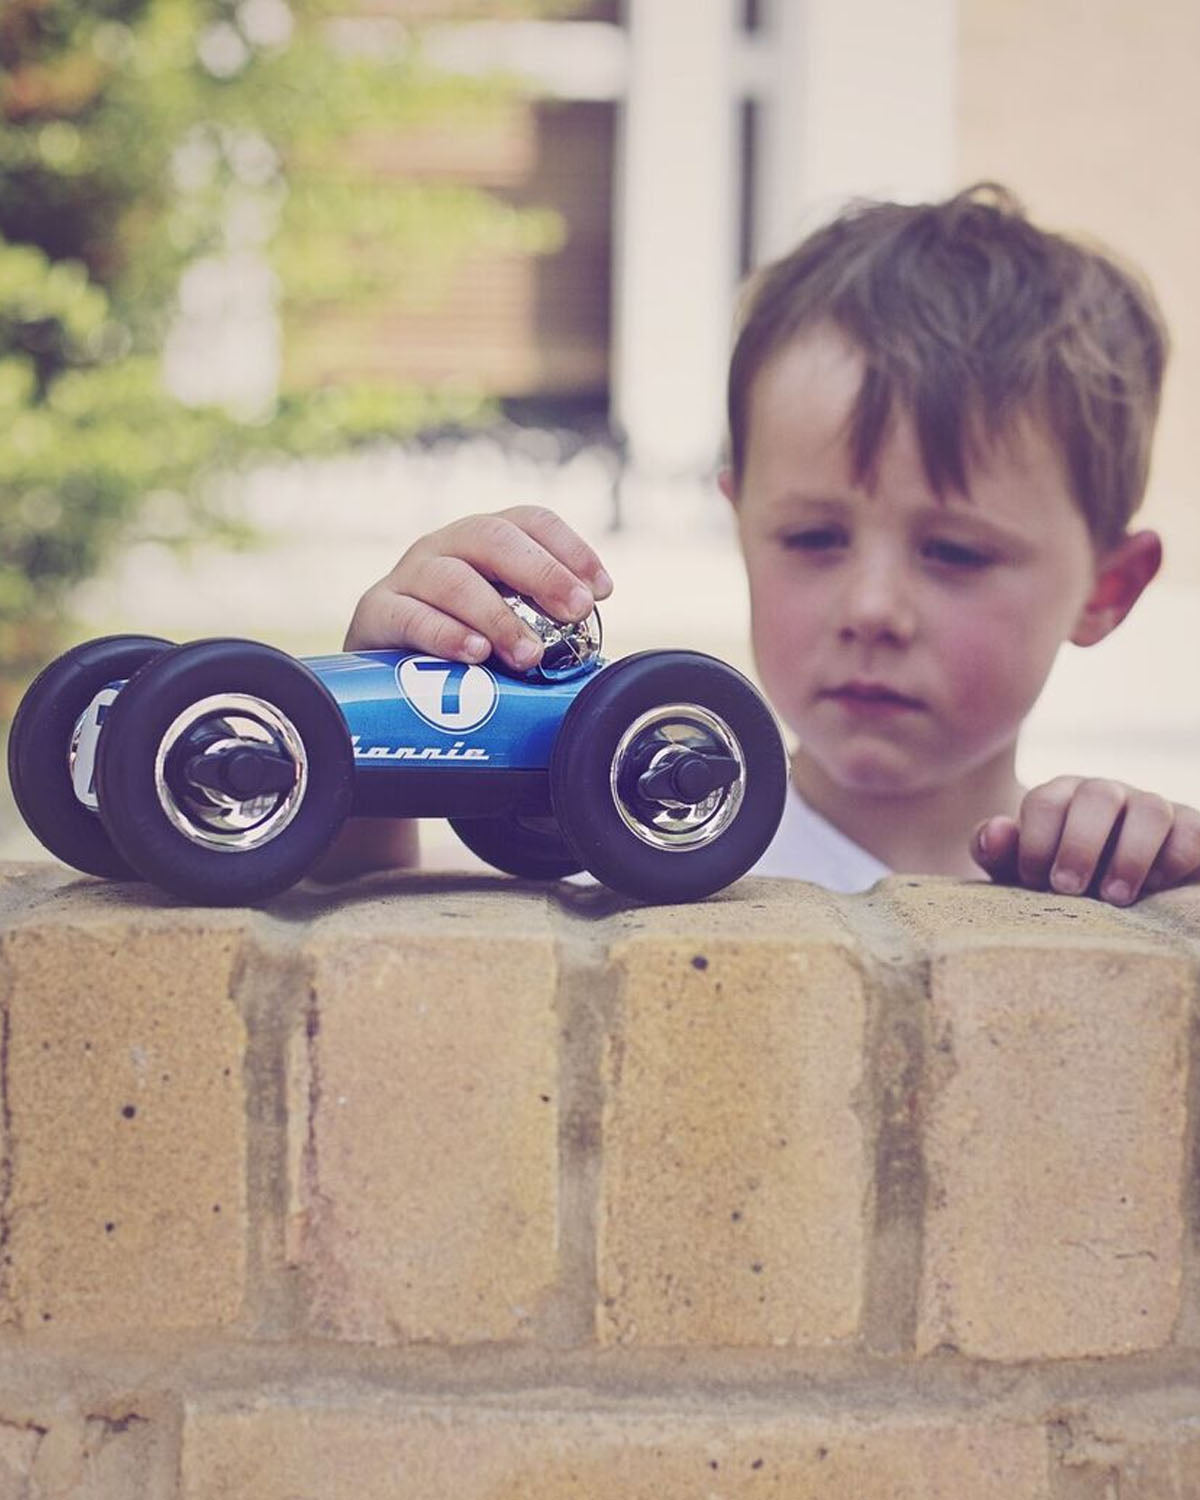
(968, 315)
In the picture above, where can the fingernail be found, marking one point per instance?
(477, 647)
(602, 584)
(1066, 882)
(525, 652)
(981, 840)
(1118, 892)
(579, 600)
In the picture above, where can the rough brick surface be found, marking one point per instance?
(935, 908)
(1166, 1469)
(55, 1451)
(1145, 1448)
(1055, 1149)
(121, 1459)
(734, 1177)
(18, 1449)
(398, 1453)
(424, 1122)
(125, 1119)
(1168, 1472)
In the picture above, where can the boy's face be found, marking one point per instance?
(902, 637)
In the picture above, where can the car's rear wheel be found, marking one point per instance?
(224, 772)
(528, 846)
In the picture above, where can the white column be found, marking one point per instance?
(858, 100)
(676, 232)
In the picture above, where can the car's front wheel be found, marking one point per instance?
(668, 776)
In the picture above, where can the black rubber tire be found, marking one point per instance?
(581, 767)
(130, 804)
(39, 749)
(530, 847)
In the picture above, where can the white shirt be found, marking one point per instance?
(808, 847)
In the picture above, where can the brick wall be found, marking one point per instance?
(444, 1189)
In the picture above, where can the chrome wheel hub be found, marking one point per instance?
(196, 760)
(658, 776)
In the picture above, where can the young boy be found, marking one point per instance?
(940, 421)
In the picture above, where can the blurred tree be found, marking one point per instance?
(139, 138)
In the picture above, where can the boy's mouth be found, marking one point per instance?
(860, 693)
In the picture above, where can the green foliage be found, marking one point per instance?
(137, 136)
(89, 435)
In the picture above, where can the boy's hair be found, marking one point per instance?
(967, 316)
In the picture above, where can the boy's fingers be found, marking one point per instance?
(440, 597)
(548, 528)
(994, 849)
(1178, 860)
(1090, 830)
(387, 619)
(1042, 815)
(1143, 833)
(500, 548)
(455, 588)
(480, 623)
(1095, 836)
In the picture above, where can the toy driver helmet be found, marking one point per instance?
(567, 648)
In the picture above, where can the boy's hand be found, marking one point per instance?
(439, 597)
(1092, 837)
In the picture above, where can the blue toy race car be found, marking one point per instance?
(223, 769)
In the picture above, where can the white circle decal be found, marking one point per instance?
(450, 695)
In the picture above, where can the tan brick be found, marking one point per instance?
(1180, 906)
(58, 1451)
(1164, 1470)
(734, 1168)
(1169, 1472)
(125, 1120)
(1055, 1147)
(934, 908)
(25, 883)
(424, 1119)
(399, 1453)
(133, 1456)
(18, 1450)
(1142, 1448)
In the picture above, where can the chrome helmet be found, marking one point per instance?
(567, 647)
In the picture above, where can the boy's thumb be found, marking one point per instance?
(994, 848)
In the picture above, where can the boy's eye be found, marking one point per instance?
(956, 554)
(815, 539)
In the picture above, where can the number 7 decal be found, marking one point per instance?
(453, 696)
(454, 671)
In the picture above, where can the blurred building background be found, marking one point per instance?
(682, 142)
(674, 145)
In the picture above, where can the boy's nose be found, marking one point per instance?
(877, 605)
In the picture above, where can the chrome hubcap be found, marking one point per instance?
(203, 737)
(651, 744)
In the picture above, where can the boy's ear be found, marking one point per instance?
(1121, 574)
(728, 485)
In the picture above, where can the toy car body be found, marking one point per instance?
(223, 769)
